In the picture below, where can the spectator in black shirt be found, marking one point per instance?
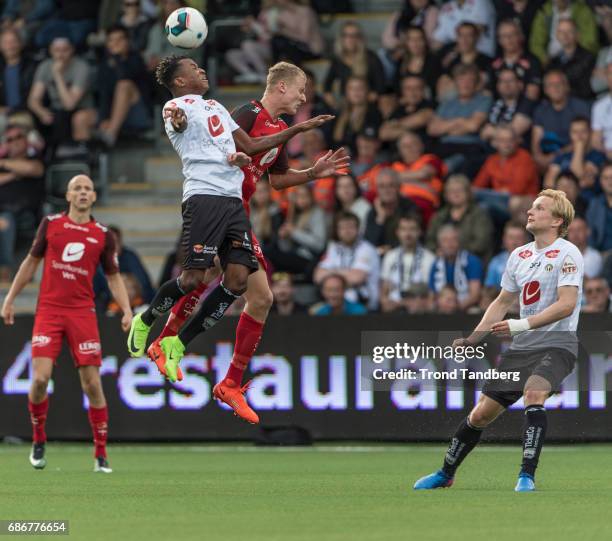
(413, 113)
(511, 39)
(574, 60)
(284, 296)
(75, 19)
(388, 207)
(511, 107)
(464, 51)
(352, 58)
(124, 88)
(16, 73)
(523, 11)
(136, 23)
(355, 115)
(21, 191)
(417, 60)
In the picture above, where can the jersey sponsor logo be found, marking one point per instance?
(531, 292)
(92, 240)
(569, 266)
(40, 340)
(269, 157)
(102, 227)
(68, 225)
(204, 249)
(269, 124)
(535, 265)
(189, 100)
(215, 126)
(551, 254)
(90, 347)
(525, 254)
(73, 251)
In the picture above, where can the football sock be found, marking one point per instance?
(38, 417)
(465, 439)
(248, 334)
(164, 299)
(209, 314)
(534, 430)
(181, 311)
(98, 419)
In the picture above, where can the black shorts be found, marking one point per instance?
(552, 364)
(215, 225)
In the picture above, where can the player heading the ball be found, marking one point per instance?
(546, 276)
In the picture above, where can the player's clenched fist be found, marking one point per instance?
(8, 313)
(177, 117)
(239, 159)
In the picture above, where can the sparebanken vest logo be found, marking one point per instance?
(531, 292)
(215, 126)
(73, 251)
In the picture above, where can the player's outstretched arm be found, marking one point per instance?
(331, 163)
(119, 293)
(22, 278)
(496, 311)
(255, 145)
(567, 297)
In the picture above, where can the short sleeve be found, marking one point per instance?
(39, 245)
(81, 75)
(508, 281)
(365, 259)
(281, 164)
(109, 258)
(328, 261)
(41, 75)
(245, 116)
(571, 272)
(166, 114)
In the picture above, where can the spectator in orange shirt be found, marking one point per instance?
(511, 169)
(420, 174)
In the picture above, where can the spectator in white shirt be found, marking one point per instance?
(479, 12)
(578, 233)
(404, 266)
(601, 119)
(353, 258)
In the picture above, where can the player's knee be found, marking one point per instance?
(92, 387)
(479, 418)
(40, 382)
(236, 279)
(190, 281)
(533, 396)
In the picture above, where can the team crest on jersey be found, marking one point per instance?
(525, 254)
(215, 126)
(551, 254)
(269, 156)
(569, 266)
(531, 292)
(548, 268)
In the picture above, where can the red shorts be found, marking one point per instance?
(80, 327)
(258, 252)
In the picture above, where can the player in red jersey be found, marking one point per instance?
(284, 94)
(72, 244)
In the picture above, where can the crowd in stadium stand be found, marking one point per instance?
(454, 123)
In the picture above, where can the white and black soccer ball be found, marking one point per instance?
(186, 28)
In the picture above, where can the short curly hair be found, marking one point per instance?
(166, 69)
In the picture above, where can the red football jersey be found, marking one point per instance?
(254, 119)
(72, 253)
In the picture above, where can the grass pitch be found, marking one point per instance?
(334, 493)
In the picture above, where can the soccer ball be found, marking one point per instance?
(186, 28)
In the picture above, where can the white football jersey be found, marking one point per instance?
(204, 147)
(537, 274)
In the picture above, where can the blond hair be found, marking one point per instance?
(562, 208)
(358, 62)
(283, 71)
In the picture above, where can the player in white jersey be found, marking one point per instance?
(546, 275)
(215, 223)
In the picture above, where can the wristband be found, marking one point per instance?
(518, 326)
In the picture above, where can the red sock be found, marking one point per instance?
(98, 419)
(181, 311)
(248, 334)
(38, 417)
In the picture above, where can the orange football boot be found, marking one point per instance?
(232, 394)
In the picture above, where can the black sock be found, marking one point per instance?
(534, 431)
(210, 312)
(165, 298)
(465, 439)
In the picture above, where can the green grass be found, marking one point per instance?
(322, 493)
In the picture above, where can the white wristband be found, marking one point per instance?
(518, 326)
